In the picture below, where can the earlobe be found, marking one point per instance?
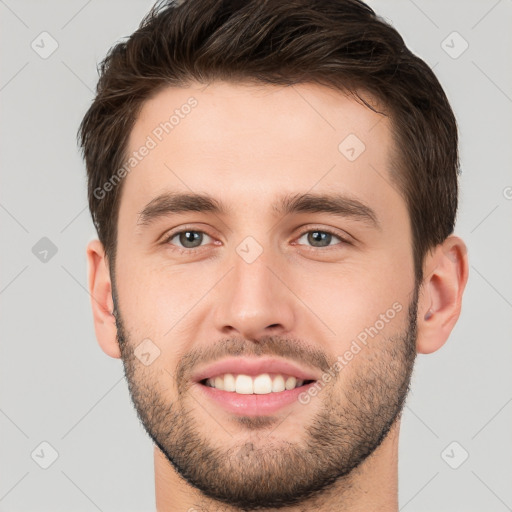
(100, 289)
(439, 306)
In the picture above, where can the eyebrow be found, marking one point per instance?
(170, 203)
(332, 203)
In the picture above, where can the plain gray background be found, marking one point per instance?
(58, 387)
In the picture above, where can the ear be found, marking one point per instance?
(100, 289)
(440, 301)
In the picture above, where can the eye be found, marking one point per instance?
(187, 239)
(319, 238)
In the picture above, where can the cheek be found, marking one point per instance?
(155, 298)
(351, 297)
(151, 308)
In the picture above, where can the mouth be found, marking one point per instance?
(262, 384)
(254, 387)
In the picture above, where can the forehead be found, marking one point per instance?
(246, 143)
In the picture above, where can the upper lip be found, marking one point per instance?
(253, 367)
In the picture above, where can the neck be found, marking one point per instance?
(372, 486)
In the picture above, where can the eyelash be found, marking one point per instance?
(182, 250)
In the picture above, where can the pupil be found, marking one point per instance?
(317, 237)
(190, 237)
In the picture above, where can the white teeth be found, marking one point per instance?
(259, 385)
(290, 382)
(278, 384)
(262, 384)
(229, 382)
(219, 382)
(243, 385)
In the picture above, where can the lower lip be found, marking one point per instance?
(254, 405)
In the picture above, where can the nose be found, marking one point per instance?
(254, 300)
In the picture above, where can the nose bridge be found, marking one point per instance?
(252, 300)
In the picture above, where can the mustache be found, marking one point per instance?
(292, 349)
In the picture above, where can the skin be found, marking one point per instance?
(246, 146)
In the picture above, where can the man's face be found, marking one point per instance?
(329, 291)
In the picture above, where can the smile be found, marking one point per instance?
(260, 385)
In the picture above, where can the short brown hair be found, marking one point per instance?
(341, 44)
